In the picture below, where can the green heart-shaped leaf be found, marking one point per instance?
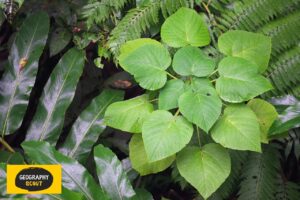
(165, 134)
(147, 62)
(128, 115)
(239, 80)
(185, 27)
(206, 169)
(238, 129)
(201, 105)
(168, 95)
(132, 45)
(139, 161)
(192, 61)
(266, 114)
(254, 47)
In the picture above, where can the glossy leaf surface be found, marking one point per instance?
(59, 39)
(112, 177)
(74, 176)
(56, 98)
(19, 76)
(88, 126)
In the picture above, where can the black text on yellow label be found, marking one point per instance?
(33, 179)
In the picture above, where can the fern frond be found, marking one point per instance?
(283, 32)
(168, 7)
(96, 12)
(260, 175)
(252, 14)
(238, 160)
(138, 20)
(284, 73)
(288, 191)
(135, 22)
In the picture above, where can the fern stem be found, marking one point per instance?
(6, 145)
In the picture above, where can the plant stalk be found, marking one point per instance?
(6, 145)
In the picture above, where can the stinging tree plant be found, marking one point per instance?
(194, 97)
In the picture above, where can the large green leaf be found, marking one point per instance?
(288, 118)
(139, 161)
(74, 176)
(266, 114)
(168, 95)
(201, 105)
(128, 115)
(238, 128)
(59, 39)
(239, 80)
(88, 126)
(56, 98)
(185, 27)
(254, 47)
(142, 194)
(147, 63)
(165, 134)
(11, 158)
(130, 46)
(192, 61)
(19, 77)
(206, 169)
(111, 174)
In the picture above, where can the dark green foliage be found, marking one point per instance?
(97, 11)
(138, 20)
(278, 19)
(260, 175)
(135, 22)
(284, 72)
(288, 191)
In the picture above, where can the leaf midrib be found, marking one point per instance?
(90, 125)
(17, 81)
(49, 115)
(75, 181)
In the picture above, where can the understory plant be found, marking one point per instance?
(190, 93)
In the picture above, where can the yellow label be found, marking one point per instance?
(33, 179)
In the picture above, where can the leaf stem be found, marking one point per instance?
(153, 100)
(213, 73)
(6, 145)
(198, 136)
(213, 80)
(169, 74)
(177, 113)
